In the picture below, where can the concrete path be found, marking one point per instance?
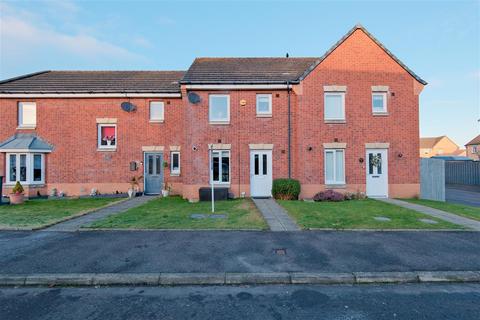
(276, 217)
(450, 217)
(76, 223)
(467, 195)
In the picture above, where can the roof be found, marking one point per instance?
(247, 70)
(429, 142)
(95, 82)
(25, 141)
(475, 140)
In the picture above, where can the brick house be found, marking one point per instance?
(473, 148)
(439, 146)
(347, 120)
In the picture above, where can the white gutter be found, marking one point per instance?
(25, 150)
(90, 95)
(235, 86)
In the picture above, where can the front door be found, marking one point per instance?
(153, 176)
(377, 173)
(261, 173)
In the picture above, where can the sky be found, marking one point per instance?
(439, 40)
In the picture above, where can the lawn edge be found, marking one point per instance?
(453, 203)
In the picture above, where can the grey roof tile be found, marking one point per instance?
(25, 141)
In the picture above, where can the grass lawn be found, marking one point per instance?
(175, 213)
(40, 212)
(460, 209)
(358, 214)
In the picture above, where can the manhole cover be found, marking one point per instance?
(280, 252)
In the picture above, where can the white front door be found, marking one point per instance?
(261, 173)
(377, 173)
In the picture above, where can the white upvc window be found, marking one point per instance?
(107, 136)
(27, 168)
(27, 114)
(264, 104)
(474, 149)
(334, 105)
(219, 108)
(220, 167)
(157, 111)
(379, 102)
(175, 163)
(334, 166)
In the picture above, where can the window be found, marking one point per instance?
(28, 168)
(156, 111)
(264, 104)
(175, 163)
(474, 149)
(27, 114)
(334, 166)
(334, 106)
(220, 166)
(219, 108)
(107, 136)
(379, 102)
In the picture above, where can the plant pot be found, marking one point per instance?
(109, 142)
(165, 193)
(16, 198)
(131, 193)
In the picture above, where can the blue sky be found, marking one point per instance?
(439, 40)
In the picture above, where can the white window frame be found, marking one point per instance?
(384, 95)
(174, 172)
(99, 136)
(218, 121)
(162, 118)
(220, 167)
(333, 93)
(264, 113)
(336, 181)
(20, 110)
(474, 149)
(29, 164)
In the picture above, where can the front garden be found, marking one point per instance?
(460, 209)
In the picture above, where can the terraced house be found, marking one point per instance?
(346, 120)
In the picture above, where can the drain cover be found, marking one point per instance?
(280, 252)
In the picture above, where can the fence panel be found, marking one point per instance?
(432, 179)
(462, 172)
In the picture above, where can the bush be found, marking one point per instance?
(329, 195)
(286, 189)
(17, 188)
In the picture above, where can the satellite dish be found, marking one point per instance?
(193, 98)
(128, 106)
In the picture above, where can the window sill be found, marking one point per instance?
(335, 121)
(264, 115)
(175, 174)
(336, 186)
(156, 121)
(380, 114)
(106, 149)
(219, 122)
(26, 128)
(30, 185)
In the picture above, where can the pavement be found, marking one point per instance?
(76, 223)
(450, 217)
(366, 302)
(463, 194)
(275, 216)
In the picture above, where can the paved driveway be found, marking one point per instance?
(468, 195)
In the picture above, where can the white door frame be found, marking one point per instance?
(384, 175)
(261, 184)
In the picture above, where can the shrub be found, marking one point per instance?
(286, 189)
(18, 188)
(329, 195)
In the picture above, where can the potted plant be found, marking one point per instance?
(16, 197)
(166, 189)
(134, 186)
(109, 140)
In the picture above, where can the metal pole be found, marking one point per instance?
(211, 180)
(289, 134)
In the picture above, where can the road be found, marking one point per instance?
(263, 302)
(463, 194)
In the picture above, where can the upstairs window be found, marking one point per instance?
(107, 136)
(156, 111)
(27, 114)
(175, 163)
(219, 108)
(334, 106)
(379, 102)
(264, 104)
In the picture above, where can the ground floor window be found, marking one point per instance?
(221, 166)
(28, 168)
(334, 166)
(175, 163)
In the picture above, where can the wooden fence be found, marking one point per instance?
(432, 179)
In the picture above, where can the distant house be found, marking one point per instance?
(473, 148)
(439, 146)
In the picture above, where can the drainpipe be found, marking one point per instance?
(289, 133)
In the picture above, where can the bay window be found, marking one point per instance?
(220, 172)
(27, 168)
